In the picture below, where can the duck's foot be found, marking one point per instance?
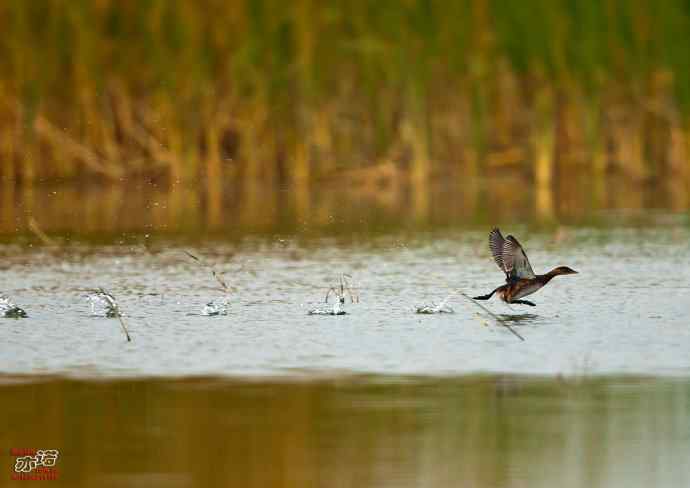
(524, 302)
(488, 295)
(483, 297)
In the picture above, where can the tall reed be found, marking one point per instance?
(293, 91)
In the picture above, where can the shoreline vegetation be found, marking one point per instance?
(291, 93)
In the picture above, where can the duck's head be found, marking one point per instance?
(563, 270)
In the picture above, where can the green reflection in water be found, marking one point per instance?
(354, 431)
(112, 213)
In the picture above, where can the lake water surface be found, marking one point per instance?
(598, 393)
(349, 430)
(625, 313)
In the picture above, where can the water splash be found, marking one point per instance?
(345, 288)
(432, 309)
(103, 304)
(442, 307)
(216, 307)
(335, 309)
(9, 310)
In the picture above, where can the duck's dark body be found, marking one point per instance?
(520, 279)
(518, 288)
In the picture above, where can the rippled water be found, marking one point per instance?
(626, 312)
(598, 393)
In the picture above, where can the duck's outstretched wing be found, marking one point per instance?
(515, 262)
(496, 243)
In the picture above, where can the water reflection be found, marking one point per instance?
(330, 206)
(472, 431)
(520, 318)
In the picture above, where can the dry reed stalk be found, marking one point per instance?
(420, 169)
(301, 165)
(38, 232)
(25, 165)
(304, 11)
(122, 106)
(255, 150)
(147, 141)
(568, 141)
(677, 156)
(216, 275)
(679, 159)
(544, 138)
(496, 317)
(166, 139)
(466, 150)
(544, 157)
(118, 313)
(112, 149)
(122, 324)
(502, 113)
(544, 167)
(687, 160)
(214, 176)
(91, 121)
(7, 154)
(627, 137)
(323, 142)
(70, 147)
(8, 175)
(7, 203)
(544, 203)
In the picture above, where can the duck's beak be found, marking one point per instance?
(572, 271)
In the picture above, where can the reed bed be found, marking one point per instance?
(293, 92)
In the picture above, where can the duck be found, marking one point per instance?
(521, 280)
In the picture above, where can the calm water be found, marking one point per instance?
(598, 394)
(350, 431)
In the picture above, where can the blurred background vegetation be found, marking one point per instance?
(365, 90)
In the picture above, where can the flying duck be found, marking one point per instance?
(520, 279)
